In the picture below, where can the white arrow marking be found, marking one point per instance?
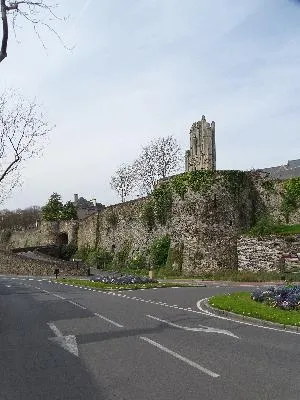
(203, 328)
(68, 342)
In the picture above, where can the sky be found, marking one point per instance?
(131, 71)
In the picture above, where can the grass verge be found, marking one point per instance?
(241, 303)
(110, 286)
(233, 276)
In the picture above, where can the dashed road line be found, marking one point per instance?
(109, 320)
(76, 304)
(60, 297)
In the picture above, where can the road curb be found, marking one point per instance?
(207, 307)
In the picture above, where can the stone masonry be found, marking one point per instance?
(202, 153)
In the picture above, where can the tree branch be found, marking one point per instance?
(3, 51)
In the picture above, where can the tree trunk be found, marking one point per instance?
(3, 51)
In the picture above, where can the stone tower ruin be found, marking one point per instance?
(202, 153)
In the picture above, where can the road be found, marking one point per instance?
(63, 342)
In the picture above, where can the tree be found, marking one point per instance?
(69, 211)
(123, 181)
(39, 13)
(157, 161)
(53, 209)
(20, 219)
(291, 198)
(22, 130)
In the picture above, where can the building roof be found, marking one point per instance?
(290, 170)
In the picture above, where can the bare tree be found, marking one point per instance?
(124, 180)
(39, 13)
(158, 160)
(22, 129)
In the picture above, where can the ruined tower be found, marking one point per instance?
(202, 153)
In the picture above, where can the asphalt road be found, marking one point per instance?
(62, 342)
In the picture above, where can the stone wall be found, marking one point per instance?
(271, 195)
(46, 234)
(17, 265)
(272, 253)
(203, 227)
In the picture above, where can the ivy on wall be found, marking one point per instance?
(163, 200)
(291, 197)
(236, 181)
(148, 215)
(112, 218)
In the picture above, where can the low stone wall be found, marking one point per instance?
(272, 253)
(12, 264)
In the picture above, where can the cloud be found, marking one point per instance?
(143, 69)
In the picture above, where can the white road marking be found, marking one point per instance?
(109, 320)
(57, 295)
(76, 304)
(68, 342)
(184, 359)
(203, 328)
(8, 285)
(204, 312)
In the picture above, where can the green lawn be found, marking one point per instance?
(241, 303)
(109, 286)
(288, 229)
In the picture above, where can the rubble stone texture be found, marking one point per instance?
(202, 153)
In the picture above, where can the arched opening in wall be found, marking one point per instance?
(62, 238)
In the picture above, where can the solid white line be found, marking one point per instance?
(76, 304)
(57, 295)
(109, 320)
(55, 329)
(204, 312)
(184, 359)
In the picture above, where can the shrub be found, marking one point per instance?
(159, 250)
(285, 297)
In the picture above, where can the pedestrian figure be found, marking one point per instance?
(56, 271)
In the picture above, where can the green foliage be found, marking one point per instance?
(69, 211)
(159, 250)
(68, 251)
(268, 185)
(148, 215)
(198, 181)
(163, 200)
(291, 197)
(123, 286)
(264, 226)
(202, 180)
(5, 236)
(138, 262)
(236, 180)
(175, 258)
(112, 218)
(96, 257)
(53, 209)
(122, 256)
(180, 184)
(241, 303)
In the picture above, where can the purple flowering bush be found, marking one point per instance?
(284, 297)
